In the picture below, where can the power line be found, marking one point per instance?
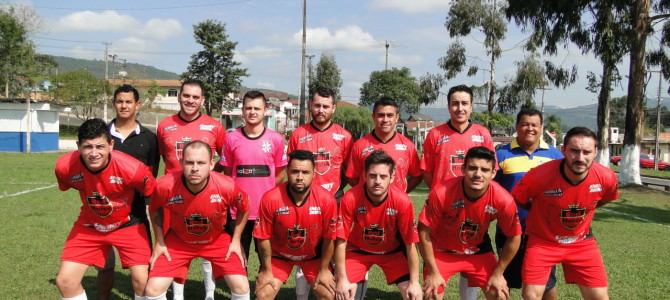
(145, 8)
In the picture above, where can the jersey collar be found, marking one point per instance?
(515, 144)
(317, 128)
(456, 130)
(116, 134)
(290, 196)
(365, 191)
(374, 135)
(185, 121)
(244, 133)
(565, 177)
(183, 181)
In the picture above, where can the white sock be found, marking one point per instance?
(177, 291)
(81, 296)
(208, 279)
(301, 286)
(160, 297)
(245, 296)
(466, 292)
(139, 297)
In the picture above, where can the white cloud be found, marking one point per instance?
(89, 21)
(261, 52)
(350, 37)
(412, 7)
(402, 60)
(133, 48)
(161, 29)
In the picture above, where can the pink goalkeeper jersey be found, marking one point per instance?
(253, 162)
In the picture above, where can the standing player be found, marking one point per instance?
(107, 181)
(377, 227)
(132, 138)
(174, 132)
(384, 137)
(296, 226)
(197, 201)
(254, 156)
(331, 145)
(445, 147)
(526, 151)
(561, 197)
(454, 224)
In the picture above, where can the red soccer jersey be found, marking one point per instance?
(198, 218)
(399, 147)
(106, 195)
(174, 133)
(445, 148)
(459, 225)
(379, 229)
(296, 232)
(561, 212)
(331, 148)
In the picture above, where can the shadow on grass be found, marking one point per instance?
(626, 209)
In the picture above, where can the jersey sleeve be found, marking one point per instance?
(431, 212)
(611, 190)
(353, 166)
(407, 224)
(523, 191)
(345, 217)
(293, 142)
(280, 157)
(414, 163)
(220, 139)
(239, 200)
(227, 152)
(154, 157)
(348, 143)
(61, 171)
(144, 182)
(330, 218)
(428, 161)
(264, 227)
(508, 218)
(159, 198)
(488, 140)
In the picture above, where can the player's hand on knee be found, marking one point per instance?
(267, 278)
(432, 285)
(497, 287)
(236, 247)
(326, 279)
(345, 290)
(414, 291)
(158, 251)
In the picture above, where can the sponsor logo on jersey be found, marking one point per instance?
(561, 239)
(314, 210)
(100, 205)
(373, 235)
(367, 150)
(172, 127)
(282, 211)
(322, 161)
(293, 257)
(460, 203)
(206, 127)
(328, 186)
(215, 198)
(468, 231)
(180, 145)
(455, 162)
(400, 147)
(596, 187)
(252, 171)
(361, 210)
(77, 178)
(477, 138)
(266, 147)
(304, 139)
(573, 216)
(177, 199)
(554, 192)
(442, 140)
(391, 211)
(296, 237)
(115, 180)
(490, 209)
(338, 137)
(196, 224)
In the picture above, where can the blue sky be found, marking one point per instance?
(159, 33)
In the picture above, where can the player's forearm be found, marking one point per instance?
(240, 223)
(280, 175)
(265, 254)
(413, 182)
(340, 251)
(426, 247)
(157, 223)
(327, 251)
(428, 178)
(413, 262)
(510, 248)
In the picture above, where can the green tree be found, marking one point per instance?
(401, 86)
(327, 75)
(214, 65)
(80, 89)
(355, 119)
(500, 122)
(553, 125)
(153, 91)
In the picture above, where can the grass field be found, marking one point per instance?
(633, 235)
(648, 172)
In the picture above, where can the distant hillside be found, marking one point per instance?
(97, 67)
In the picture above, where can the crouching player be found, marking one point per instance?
(107, 181)
(377, 227)
(296, 227)
(454, 223)
(197, 201)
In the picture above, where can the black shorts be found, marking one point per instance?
(513, 272)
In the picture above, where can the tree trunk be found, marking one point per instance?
(604, 115)
(630, 160)
(492, 93)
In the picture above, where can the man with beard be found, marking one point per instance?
(107, 181)
(296, 226)
(377, 227)
(454, 224)
(197, 201)
(561, 197)
(525, 152)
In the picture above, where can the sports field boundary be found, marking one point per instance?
(28, 191)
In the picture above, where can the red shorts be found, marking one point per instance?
(183, 253)
(281, 268)
(582, 262)
(394, 265)
(477, 268)
(88, 246)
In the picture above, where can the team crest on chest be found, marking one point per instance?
(180, 145)
(196, 224)
(468, 231)
(373, 234)
(266, 147)
(322, 161)
(367, 150)
(100, 205)
(573, 216)
(455, 162)
(296, 237)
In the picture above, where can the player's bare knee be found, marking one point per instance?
(322, 293)
(153, 290)
(265, 293)
(67, 284)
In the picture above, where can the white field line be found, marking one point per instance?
(28, 191)
(633, 216)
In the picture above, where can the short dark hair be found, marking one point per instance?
(324, 92)
(254, 94)
(126, 88)
(459, 88)
(198, 144)
(385, 101)
(192, 81)
(529, 111)
(301, 155)
(93, 128)
(481, 152)
(580, 131)
(378, 157)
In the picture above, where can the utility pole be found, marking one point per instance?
(303, 107)
(104, 107)
(28, 121)
(657, 153)
(386, 65)
(543, 88)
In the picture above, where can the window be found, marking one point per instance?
(172, 93)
